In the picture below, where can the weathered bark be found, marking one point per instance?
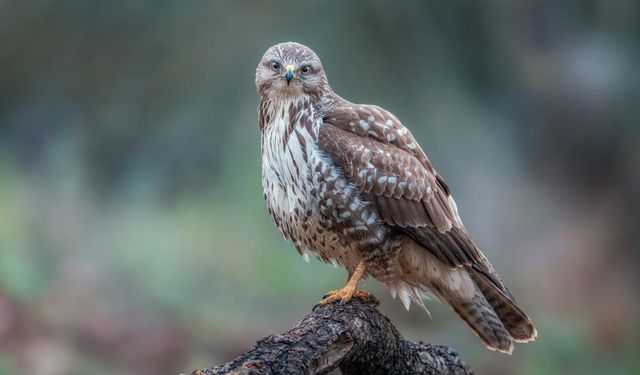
(353, 337)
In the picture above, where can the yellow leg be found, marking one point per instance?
(349, 290)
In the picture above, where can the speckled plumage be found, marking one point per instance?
(349, 183)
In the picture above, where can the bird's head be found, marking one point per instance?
(291, 70)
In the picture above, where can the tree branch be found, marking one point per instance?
(354, 337)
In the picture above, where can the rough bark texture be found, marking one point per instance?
(353, 337)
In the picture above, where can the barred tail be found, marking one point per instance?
(482, 320)
(474, 292)
(516, 322)
(493, 316)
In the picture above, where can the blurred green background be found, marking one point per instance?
(133, 235)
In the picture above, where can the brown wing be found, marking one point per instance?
(385, 163)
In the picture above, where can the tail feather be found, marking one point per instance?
(490, 313)
(474, 292)
(483, 320)
(514, 320)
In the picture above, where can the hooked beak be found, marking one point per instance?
(289, 73)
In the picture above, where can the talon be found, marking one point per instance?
(343, 295)
(329, 297)
(349, 290)
(363, 294)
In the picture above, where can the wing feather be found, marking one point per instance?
(385, 163)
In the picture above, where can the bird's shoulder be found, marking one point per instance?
(375, 123)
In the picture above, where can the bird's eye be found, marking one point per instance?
(275, 66)
(305, 69)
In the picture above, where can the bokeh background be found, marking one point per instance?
(133, 235)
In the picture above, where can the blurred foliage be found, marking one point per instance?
(133, 236)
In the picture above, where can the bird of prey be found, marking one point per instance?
(350, 184)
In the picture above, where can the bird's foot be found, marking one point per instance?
(343, 295)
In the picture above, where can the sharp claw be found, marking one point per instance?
(343, 296)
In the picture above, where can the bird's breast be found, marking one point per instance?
(309, 200)
(287, 147)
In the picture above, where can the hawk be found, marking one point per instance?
(350, 184)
